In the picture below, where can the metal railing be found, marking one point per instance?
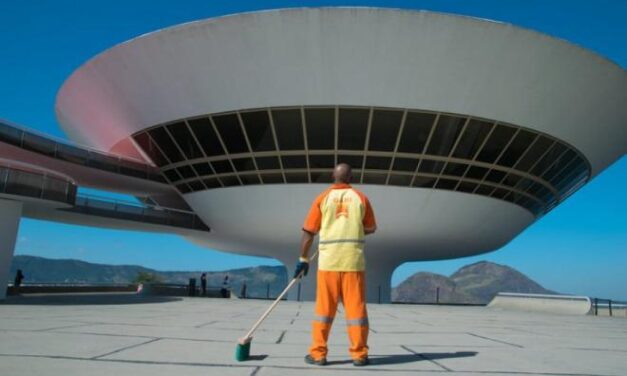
(608, 307)
(74, 284)
(127, 210)
(39, 185)
(69, 288)
(18, 181)
(82, 155)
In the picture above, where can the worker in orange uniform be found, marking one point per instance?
(342, 216)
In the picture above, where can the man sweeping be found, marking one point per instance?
(342, 216)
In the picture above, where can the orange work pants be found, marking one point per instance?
(350, 288)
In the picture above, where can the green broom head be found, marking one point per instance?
(242, 351)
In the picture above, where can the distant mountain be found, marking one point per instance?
(422, 286)
(476, 283)
(484, 279)
(44, 270)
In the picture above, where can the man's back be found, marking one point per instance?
(341, 215)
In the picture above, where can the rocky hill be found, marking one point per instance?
(472, 284)
(422, 286)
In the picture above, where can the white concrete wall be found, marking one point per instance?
(566, 305)
(10, 213)
(351, 56)
(413, 223)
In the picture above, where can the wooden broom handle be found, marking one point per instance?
(278, 299)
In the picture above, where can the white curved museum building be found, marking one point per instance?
(461, 131)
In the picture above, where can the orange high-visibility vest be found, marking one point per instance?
(341, 214)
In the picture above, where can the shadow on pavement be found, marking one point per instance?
(381, 360)
(458, 354)
(86, 299)
(257, 357)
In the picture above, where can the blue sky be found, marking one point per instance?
(580, 247)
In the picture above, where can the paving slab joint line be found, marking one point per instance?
(114, 335)
(173, 338)
(205, 324)
(496, 340)
(60, 327)
(95, 323)
(592, 349)
(125, 348)
(281, 337)
(527, 331)
(255, 371)
(427, 358)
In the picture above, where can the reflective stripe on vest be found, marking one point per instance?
(342, 241)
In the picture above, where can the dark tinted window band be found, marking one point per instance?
(76, 154)
(397, 147)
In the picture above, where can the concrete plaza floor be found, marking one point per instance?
(121, 334)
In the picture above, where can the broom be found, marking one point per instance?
(242, 351)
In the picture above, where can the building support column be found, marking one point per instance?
(10, 213)
(379, 280)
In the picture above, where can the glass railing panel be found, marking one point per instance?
(10, 135)
(80, 201)
(71, 193)
(39, 144)
(24, 183)
(131, 210)
(72, 154)
(47, 145)
(112, 208)
(157, 216)
(131, 168)
(100, 204)
(55, 189)
(4, 173)
(103, 162)
(183, 219)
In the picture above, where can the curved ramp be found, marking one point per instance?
(561, 304)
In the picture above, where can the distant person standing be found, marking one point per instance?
(242, 292)
(225, 287)
(203, 283)
(19, 276)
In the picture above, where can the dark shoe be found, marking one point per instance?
(361, 362)
(320, 362)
